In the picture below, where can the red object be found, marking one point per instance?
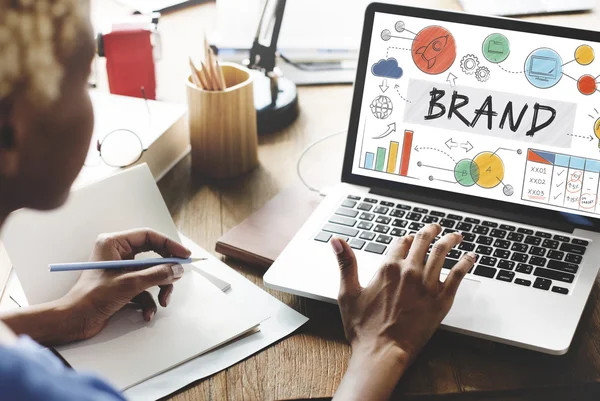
(130, 63)
(406, 149)
(587, 85)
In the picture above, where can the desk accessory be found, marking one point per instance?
(120, 264)
(222, 125)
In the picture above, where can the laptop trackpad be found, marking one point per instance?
(462, 309)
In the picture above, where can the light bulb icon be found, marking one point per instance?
(597, 131)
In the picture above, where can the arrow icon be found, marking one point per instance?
(384, 86)
(589, 137)
(466, 146)
(451, 144)
(417, 148)
(390, 129)
(451, 79)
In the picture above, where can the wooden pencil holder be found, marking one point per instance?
(223, 131)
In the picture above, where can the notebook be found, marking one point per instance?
(199, 318)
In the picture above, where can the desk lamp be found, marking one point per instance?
(275, 97)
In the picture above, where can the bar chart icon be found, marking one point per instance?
(389, 159)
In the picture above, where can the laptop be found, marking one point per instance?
(525, 7)
(486, 126)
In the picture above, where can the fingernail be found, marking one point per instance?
(151, 316)
(168, 298)
(337, 246)
(177, 271)
(472, 255)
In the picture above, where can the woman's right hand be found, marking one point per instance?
(391, 319)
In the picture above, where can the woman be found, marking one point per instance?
(46, 121)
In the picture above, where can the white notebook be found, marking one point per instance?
(129, 350)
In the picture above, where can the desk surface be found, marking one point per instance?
(309, 364)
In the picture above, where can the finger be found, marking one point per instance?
(147, 303)
(141, 280)
(437, 256)
(349, 283)
(145, 239)
(457, 273)
(399, 248)
(421, 243)
(164, 295)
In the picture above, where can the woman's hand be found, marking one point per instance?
(388, 322)
(98, 294)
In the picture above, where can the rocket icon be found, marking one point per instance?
(430, 52)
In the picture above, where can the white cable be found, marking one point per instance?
(309, 147)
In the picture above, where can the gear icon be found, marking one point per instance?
(469, 64)
(482, 74)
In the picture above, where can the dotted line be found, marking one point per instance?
(403, 98)
(438, 150)
(510, 72)
(579, 136)
(387, 53)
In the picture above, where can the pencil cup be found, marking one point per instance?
(223, 131)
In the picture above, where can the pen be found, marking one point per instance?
(120, 264)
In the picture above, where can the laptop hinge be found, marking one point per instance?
(472, 208)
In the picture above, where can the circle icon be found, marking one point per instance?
(491, 169)
(543, 68)
(386, 34)
(434, 50)
(400, 26)
(496, 48)
(508, 190)
(466, 173)
(587, 85)
(584, 54)
(382, 107)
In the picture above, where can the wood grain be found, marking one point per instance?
(310, 363)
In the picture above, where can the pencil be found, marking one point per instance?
(221, 76)
(195, 76)
(120, 264)
(206, 74)
(213, 70)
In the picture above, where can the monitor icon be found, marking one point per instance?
(543, 68)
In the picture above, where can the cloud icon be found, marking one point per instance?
(387, 69)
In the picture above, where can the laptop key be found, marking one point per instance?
(531, 240)
(481, 230)
(342, 237)
(519, 248)
(323, 237)
(420, 210)
(485, 240)
(488, 261)
(381, 210)
(416, 226)
(354, 197)
(342, 211)
(550, 244)
(430, 219)
(454, 217)
(371, 200)
(403, 207)
(506, 264)
(502, 244)
(447, 223)
(520, 281)
(537, 261)
(356, 243)
(398, 232)
(507, 227)
(483, 250)
(572, 258)
(414, 216)
(349, 203)
(505, 275)
(468, 237)
(501, 253)
(496, 233)
(525, 231)
(346, 231)
(576, 249)
(367, 216)
(562, 238)
(542, 283)
(524, 268)
(537, 251)
(400, 223)
(489, 224)
(485, 271)
(515, 237)
(383, 220)
(543, 234)
(397, 213)
(385, 203)
(519, 257)
(365, 206)
(369, 236)
(375, 248)
(472, 220)
(466, 246)
(556, 255)
(448, 231)
(454, 254)
(344, 221)
(363, 225)
(384, 239)
(437, 214)
(553, 275)
(462, 226)
(560, 290)
(379, 228)
(563, 266)
(580, 242)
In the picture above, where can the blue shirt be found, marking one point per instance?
(30, 372)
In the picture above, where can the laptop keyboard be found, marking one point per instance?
(509, 253)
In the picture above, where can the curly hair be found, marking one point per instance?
(36, 37)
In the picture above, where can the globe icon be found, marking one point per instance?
(382, 107)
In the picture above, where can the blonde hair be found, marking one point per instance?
(36, 37)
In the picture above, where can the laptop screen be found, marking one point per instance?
(504, 115)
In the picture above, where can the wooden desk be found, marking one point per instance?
(310, 364)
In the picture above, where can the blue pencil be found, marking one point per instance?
(120, 264)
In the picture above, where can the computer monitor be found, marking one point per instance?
(493, 114)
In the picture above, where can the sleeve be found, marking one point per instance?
(30, 372)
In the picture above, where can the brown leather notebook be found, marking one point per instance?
(260, 238)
